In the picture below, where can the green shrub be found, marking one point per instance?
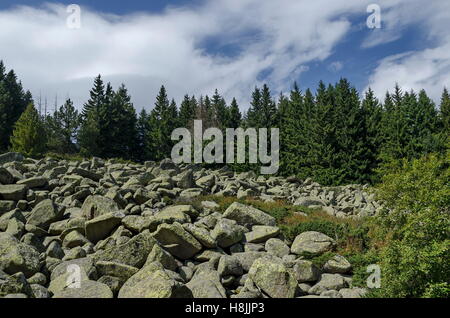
(415, 259)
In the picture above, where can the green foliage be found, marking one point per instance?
(417, 231)
(13, 101)
(62, 129)
(163, 120)
(29, 136)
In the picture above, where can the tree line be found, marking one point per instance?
(332, 135)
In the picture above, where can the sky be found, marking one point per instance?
(195, 47)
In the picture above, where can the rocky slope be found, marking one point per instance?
(106, 229)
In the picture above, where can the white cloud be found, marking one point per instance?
(428, 68)
(146, 50)
(275, 38)
(335, 66)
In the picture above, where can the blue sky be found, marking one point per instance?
(196, 46)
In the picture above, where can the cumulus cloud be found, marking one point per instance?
(231, 45)
(336, 66)
(427, 68)
(272, 42)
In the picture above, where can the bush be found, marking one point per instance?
(415, 259)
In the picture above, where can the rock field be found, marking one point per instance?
(103, 229)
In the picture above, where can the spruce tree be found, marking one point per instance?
(88, 135)
(13, 101)
(268, 116)
(63, 128)
(187, 112)
(253, 116)
(219, 109)
(163, 119)
(234, 115)
(372, 113)
(97, 97)
(143, 130)
(445, 112)
(29, 136)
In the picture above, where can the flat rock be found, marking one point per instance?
(273, 278)
(261, 233)
(177, 240)
(312, 243)
(14, 192)
(153, 282)
(44, 214)
(17, 257)
(247, 215)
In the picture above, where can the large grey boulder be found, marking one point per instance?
(246, 259)
(96, 205)
(247, 215)
(5, 176)
(153, 282)
(121, 271)
(177, 240)
(353, 292)
(227, 232)
(176, 213)
(312, 243)
(14, 284)
(133, 253)
(337, 265)
(277, 247)
(163, 257)
(201, 234)
(328, 282)
(261, 233)
(44, 214)
(6, 206)
(306, 271)
(34, 182)
(229, 265)
(87, 289)
(14, 192)
(273, 278)
(18, 257)
(100, 227)
(10, 157)
(206, 284)
(309, 201)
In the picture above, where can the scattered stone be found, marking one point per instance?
(175, 239)
(312, 243)
(273, 278)
(247, 215)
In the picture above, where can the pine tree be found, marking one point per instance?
(29, 136)
(88, 135)
(143, 130)
(97, 97)
(372, 113)
(13, 101)
(187, 112)
(163, 119)
(63, 128)
(294, 123)
(445, 112)
(219, 109)
(117, 126)
(234, 115)
(253, 116)
(268, 116)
